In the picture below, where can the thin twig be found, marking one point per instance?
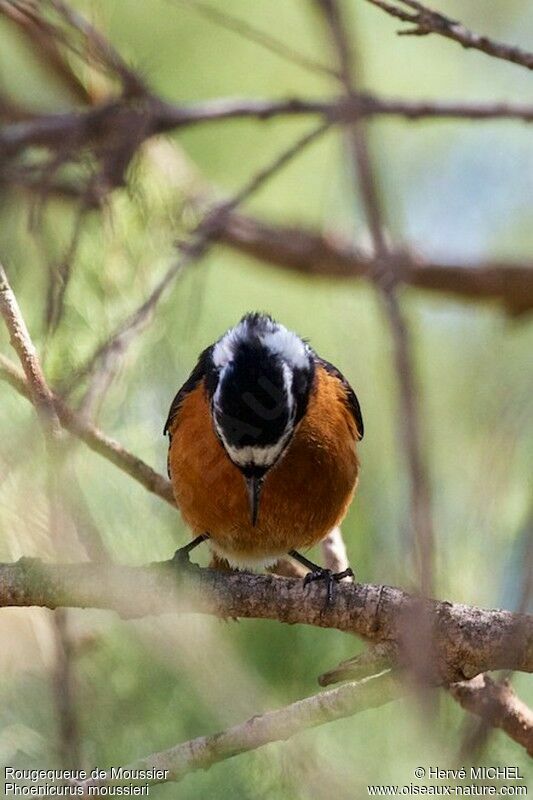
(132, 83)
(426, 21)
(371, 661)
(43, 401)
(340, 110)
(45, 45)
(386, 280)
(38, 390)
(263, 39)
(50, 130)
(204, 235)
(494, 700)
(94, 438)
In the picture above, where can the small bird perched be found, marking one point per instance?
(262, 452)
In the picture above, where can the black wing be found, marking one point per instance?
(198, 374)
(351, 398)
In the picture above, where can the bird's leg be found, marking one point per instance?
(318, 573)
(181, 556)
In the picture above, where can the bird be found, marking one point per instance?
(262, 450)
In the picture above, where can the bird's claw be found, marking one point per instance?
(330, 578)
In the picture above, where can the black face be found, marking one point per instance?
(257, 400)
(253, 407)
(258, 377)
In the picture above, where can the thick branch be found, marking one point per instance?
(498, 705)
(302, 250)
(427, 21)
(467, 640)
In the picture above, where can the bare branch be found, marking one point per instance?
(44, 43)
(94, 438)
(49, 130)
(263, 39)
(273, 726)
(466, 640)
(341, 110)
(475, 736)
(426, 21)
(204, 235)
(495, 702)
(371, 661)
(311, 253)
(38, 390)
(108, 56)
(386, 280)
(498, 706)
(43, 401)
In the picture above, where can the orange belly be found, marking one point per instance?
(304, 495)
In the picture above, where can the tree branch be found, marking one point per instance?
(204, 235)
(466, 640)
(94, 124)
(427, 21)
(38, 390)
(45, 45)
(498, 706)
(43, 401)
(94, 438)
(386, 280)
(273, 726)
(310, 253)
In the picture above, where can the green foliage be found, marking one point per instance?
(453, 191)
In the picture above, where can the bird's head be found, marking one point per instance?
(259, 380)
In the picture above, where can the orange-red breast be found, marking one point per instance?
(262, 453)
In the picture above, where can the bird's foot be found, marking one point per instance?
(330, 578)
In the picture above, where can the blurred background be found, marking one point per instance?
(453, 191)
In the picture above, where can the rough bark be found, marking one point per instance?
(466, 640)
(498, 705)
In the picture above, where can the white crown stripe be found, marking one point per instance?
(291, 353)
(288, 346)
(276, 338)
